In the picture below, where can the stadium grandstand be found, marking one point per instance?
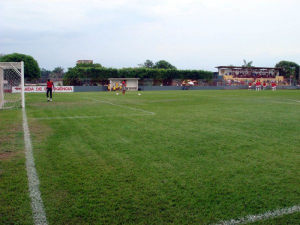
(250, 73)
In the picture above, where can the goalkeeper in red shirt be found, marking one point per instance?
(50, 85)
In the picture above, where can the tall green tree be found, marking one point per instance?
(58, 72)
(147, 64)
(163, 64)
(89, 65)
(45, 73)
(31, 67)
(289, 69)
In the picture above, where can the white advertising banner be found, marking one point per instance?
(39, 89)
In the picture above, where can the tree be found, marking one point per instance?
(45, 73)
(163, 64)
(249, 64)
(289, 69)
(147, 64)
(91, 65)
(31, 67)
(58, 72)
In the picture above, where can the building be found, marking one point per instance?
(249, 73)
(131, 83)
(85, 61)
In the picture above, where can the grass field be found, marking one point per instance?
(164, 157)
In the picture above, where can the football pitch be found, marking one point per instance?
(162, 157)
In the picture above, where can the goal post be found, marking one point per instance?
(12, 85)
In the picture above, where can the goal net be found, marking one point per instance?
(12, 85)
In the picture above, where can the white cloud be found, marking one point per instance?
(123, 33)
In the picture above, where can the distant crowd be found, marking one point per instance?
(253, 75)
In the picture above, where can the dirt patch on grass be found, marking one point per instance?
(7, 155)
(11, 141)
(6, 137)
(39, 131)
(58, 104)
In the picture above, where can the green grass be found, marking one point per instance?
(14, 200)
(172, 157)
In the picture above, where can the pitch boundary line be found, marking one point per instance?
(152, 113)
(39, 215)
(296, 102)
(260, 217)
(87, 117)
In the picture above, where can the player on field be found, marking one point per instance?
(273, 86)
(249, 85)
(258, 85)
(264, 85)
(123, 87)
(50, 85)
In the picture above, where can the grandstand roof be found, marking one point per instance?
(252, 67)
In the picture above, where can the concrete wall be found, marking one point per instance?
(89, 88)
(159, 88)
(288, 87)
(168, 88)
(173, 88)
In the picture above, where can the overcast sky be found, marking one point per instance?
(190, 34)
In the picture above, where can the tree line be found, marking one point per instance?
(32, 71)
(97, 73)
(161, 70)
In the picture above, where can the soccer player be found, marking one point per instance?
(258, 85)
(273, 86)
(264, 85)
(249, 85)
(50, 85)
(123, 87)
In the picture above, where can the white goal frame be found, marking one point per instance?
(12, 85)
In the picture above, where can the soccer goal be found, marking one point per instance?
(12, 85)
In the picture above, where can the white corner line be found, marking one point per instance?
(259, 217)
(39, 215)
(152, 113)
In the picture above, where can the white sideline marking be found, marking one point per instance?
(86, 117)
(265, 216)
(292, 100)
(39, 215)
(260, 100)
(152, 113)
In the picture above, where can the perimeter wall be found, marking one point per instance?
(173, 88)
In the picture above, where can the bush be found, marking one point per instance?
(142, 73)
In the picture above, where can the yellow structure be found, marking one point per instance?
(250, 73)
